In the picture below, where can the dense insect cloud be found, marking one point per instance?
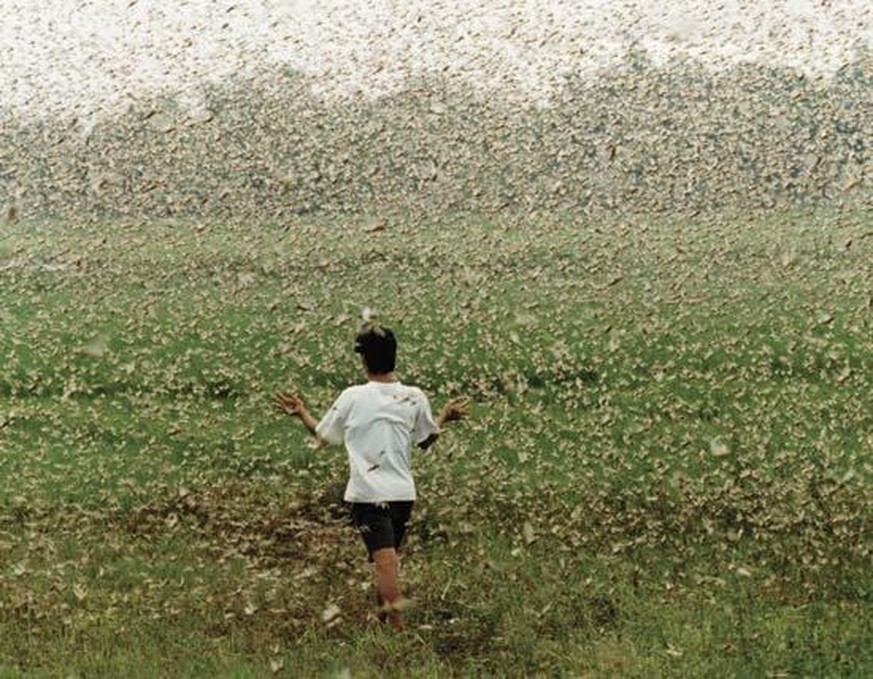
(645, 138)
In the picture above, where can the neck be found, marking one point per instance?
(381, 377)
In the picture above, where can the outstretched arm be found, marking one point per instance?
(292, 404)
(455, 410)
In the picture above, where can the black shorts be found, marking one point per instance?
(381, 525)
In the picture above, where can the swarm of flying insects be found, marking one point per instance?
(636, 236)
(632, 110)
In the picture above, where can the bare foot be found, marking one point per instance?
(394, 611)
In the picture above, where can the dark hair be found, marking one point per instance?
(378, 346)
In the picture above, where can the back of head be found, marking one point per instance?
(378, 346)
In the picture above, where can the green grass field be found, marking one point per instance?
(666, 472)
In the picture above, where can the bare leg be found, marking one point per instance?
(380, 607)
(387, 584)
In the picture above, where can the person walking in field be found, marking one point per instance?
(379, 422)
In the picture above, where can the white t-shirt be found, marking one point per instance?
(379, 423)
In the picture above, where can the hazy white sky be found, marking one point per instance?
(94, 56)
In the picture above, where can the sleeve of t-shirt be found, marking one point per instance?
(331, 428)
(424, 426)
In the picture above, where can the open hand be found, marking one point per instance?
(456, 409)
(290, 404)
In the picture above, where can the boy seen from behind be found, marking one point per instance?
(379, 422)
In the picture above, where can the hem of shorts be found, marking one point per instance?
(376, 501)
